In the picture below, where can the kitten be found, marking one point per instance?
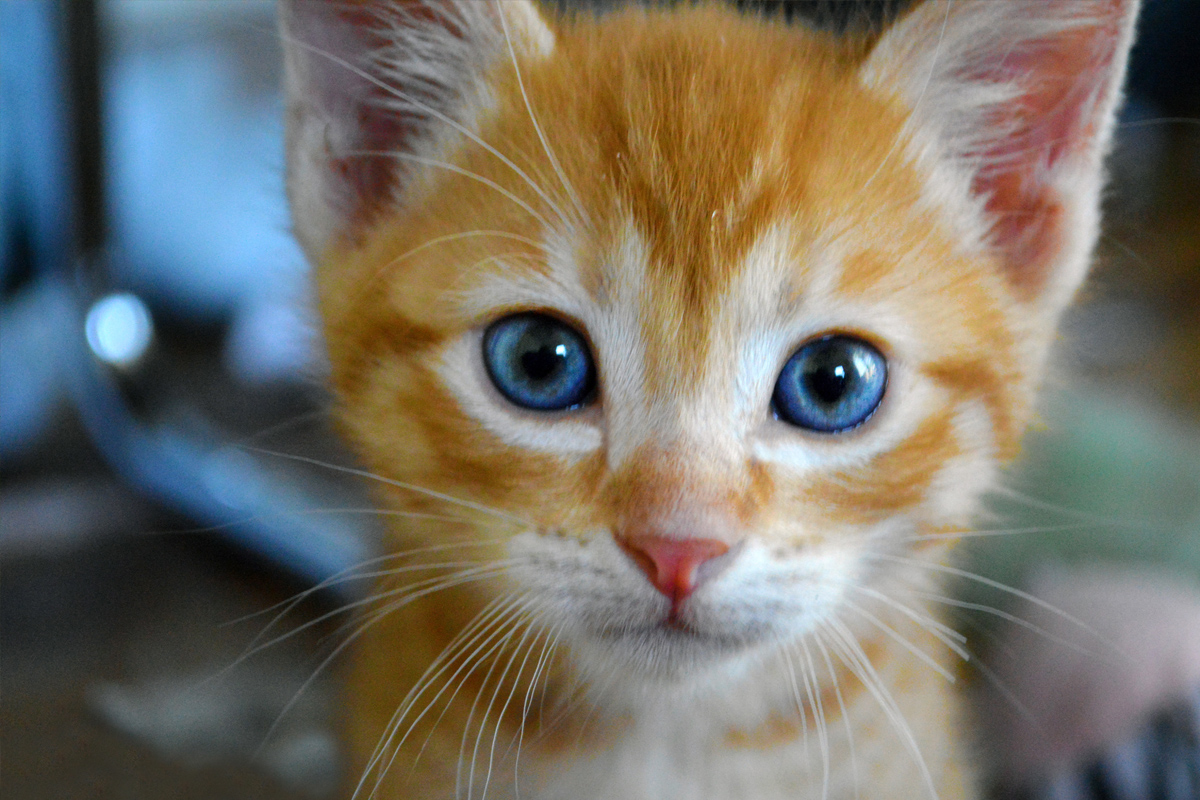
(682, 344)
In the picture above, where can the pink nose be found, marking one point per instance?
(671, 564)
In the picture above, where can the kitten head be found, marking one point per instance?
(720, 316)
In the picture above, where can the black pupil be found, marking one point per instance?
(828, 379)
(543, 358)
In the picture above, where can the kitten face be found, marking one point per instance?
(684, 202)
(695, 241)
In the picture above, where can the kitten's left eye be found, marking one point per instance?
(831, 384)
(539, 363)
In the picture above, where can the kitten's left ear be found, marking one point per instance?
(1021, 95)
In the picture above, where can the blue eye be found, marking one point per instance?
(831, 384)
(538, 362)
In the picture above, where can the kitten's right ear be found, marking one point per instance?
(370, 81)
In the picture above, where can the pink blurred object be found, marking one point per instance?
(1126, 644)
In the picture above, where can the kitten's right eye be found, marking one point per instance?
(538, 362)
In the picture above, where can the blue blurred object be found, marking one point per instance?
(34, 210)
(151, 189)
(194, 148)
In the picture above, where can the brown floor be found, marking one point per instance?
(123, 612)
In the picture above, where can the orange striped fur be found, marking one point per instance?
(698, 193)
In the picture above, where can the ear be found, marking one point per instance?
(369, 82)
(1021, 96)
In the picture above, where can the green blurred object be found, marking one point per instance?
(1103, 480)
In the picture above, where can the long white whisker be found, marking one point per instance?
(837, 691)
(454, 237)
(548, 647)
(457, 170)
(558, 170)
(283, 425)
(990, 675)
(530, 632)
(367, 625)
(362, 473)
(475, 570)
(891, 633)
(503, 643)
(484, 620)
(846, 645)
(944, 633)
(786, 654)
(1013, 618)
(349, 573)
(979, 534)
(1072, 513)
(994, 584)
(818, 706)
(489, 637)
(500, 633)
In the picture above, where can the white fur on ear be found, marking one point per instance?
(368, 82)
(1022, 95)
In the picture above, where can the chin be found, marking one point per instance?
(670, 655)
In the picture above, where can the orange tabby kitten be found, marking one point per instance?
(682, 344)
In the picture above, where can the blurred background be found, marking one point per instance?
(163, 425)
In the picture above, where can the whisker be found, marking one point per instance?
(363, 628)
(1074, 513)
(548, 647)
(489, 625)
(457, 170)
(944, 633)
(454, 237)
(1008, 617)
(362, 473)
(554, 163)
(891, 633)
(471, 717)
(353, 572)
(406, 594)
(257, 645)
(412, 591)
(1142, 123)
(850, 651)
(984, 533)
(790, 669)
(994, 584)
(822, 725)
(837, 691)
(416, 103)
(500, 715)
(283, 425)
(1010, 697)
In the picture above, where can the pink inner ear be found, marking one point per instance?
(340, 40)
(366, 176)
(1053, 127)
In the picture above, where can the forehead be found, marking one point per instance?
(719, 163)
(700, 136)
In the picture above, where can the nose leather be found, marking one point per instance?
(671, 564)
